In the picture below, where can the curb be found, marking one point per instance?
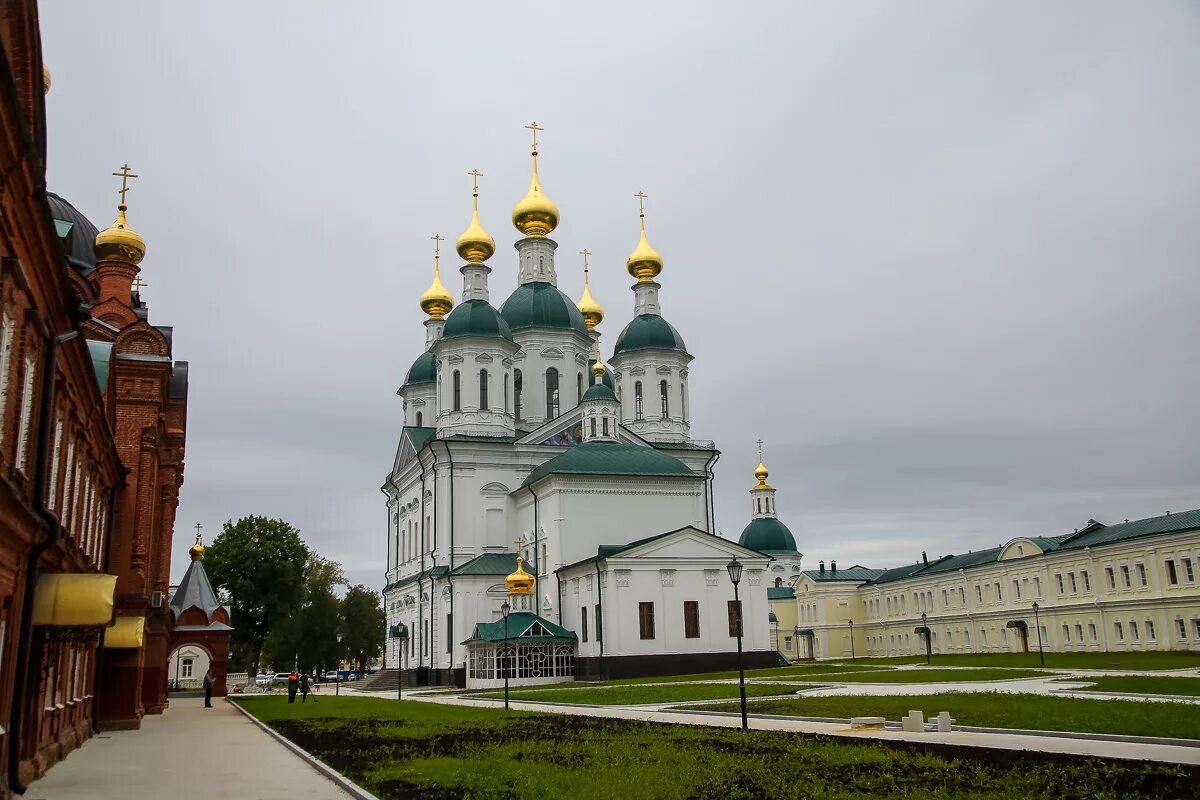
(344, 783)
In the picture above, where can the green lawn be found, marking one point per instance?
(420, 750)
(799, 672)
(1145, 684)
(1172, 659)
(934, 675)
(640, 695)
(999, 710)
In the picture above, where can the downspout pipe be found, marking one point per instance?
(450, 461)
(53, 535)
(537, 568)
(709, 508)
(600, 626)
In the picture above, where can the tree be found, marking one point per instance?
(261, 563)
(362, 624)
(309, 637)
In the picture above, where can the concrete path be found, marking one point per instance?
(1067, 744)
(188, 753)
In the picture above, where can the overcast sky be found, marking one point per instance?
(941, 256)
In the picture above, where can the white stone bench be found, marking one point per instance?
(867, 723)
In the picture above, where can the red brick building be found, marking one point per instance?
(92, 421)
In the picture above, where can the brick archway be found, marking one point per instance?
(215, 642)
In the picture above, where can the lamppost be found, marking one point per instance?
(337, 674)
(402, 655)
(735, 577)
(851, 641)
(1038, 623)
(928, 643)
(796, 639)
(505, 607)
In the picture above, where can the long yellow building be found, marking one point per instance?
(1128, 586)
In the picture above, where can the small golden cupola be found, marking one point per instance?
(196, 550)
(761, 473)
(475, 245)
(437, 301)
(120, 242)
(520, 582)
(592, 312)
(644, 263)
(535, 214)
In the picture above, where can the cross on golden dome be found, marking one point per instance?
(533, 126)
(124, 175)
(592, 312)
(437, 245)
(475, 245)
(437, 301)
(644, 263)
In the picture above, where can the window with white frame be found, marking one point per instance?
(1141, 571)
(6, 347)
(1074, 585)
(1092, 631)
(1150, 630)
(1119, 630)
(1111, 576)
(1133, 631)
(26, 421)
(1058, 579)
(1182, 626)
(1087, 581)
(1188, 572)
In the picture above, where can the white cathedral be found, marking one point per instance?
(522, 447)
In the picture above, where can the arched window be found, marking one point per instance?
(604, 425)
(457, 391)
(579, 388)
(637, 400)
(662, 393)
(506, 393)
(551, 393)
(517, 393)
(418, 419)
(592, 426)
(778, 582)
(483, 403)
(683, 399)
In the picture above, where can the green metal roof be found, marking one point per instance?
(855, 573)
(423, 370)
(522, 626)
(476, 318)
(101, 353)
(63, 228)
(649, 332)
(419, 436)
(489, 564)
(609, 550)
(611, 458)
(435, 572)
(542, 305)
(598, 391)
(768, 535)
(781, 593)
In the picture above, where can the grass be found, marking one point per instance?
(935, 675)
(1158, 660)
(438, 752)
(799, 672)
(642, 695)
(1145, 684)
(1000, 710)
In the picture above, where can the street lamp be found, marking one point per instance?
(504, 609)
(401, 655)
(337, 674)
(735, 577)
(796, 639)
(1038, 623)
(851, 641)
(928, 644)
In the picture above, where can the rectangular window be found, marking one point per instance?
(691, 619)
(1187, 570)
(6, 346)
(1092, 631)
(999, 596)
(1196, 622)
(1017, 589)
(1111, 577)
(945, 599)
(962, 596)
(186, 669)
(734, 610)
(1059, 580)
(599, 630)
(1182, 628)
(787, 643)
(646, 620)
(583, 624)
(1141, 571)
(1120, 631)
(979, 593)
(26, 422)
(1074, 586)
(1125, 576)
(1172, 575)
(1133, 631)
(1087, 581)
(1150, 629)
(1067, 633)
(52, 487)
(1078, 632)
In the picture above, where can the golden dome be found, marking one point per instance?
(119, 242)
(437, 302)
(45, 79)
(196, 550)
(592, 312)
(535, 214)
(520, 582)
(475, 245)
(644, 263)
(598, 368)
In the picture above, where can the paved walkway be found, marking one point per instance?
(188, 753)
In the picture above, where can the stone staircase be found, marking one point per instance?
(387, 680)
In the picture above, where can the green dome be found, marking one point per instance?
(598, 391)
(649, 332)
(476, 318)
(611, 458)
(606, 378)
(423, 370)
(768, 535)
(542, 305)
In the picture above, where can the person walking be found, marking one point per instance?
(209, 682)
(305, 686)
(293, 684)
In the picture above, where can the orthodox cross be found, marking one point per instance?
(437, 244)
(520, 543)
(475, 176)
(137, 283)
(198, 527)
(641, 196)
(535, 128)
(760, 453)
(124, 175)
(585, 253)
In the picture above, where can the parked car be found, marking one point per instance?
(330, 676)
(263, 679)
(280, 678)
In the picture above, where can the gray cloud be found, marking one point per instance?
(942, 257)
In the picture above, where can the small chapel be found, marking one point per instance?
(527, 455)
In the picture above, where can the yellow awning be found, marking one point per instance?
(126, 632)
(75, 600)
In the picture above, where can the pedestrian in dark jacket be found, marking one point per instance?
(293, 685)
(209, 682)
(305, 686)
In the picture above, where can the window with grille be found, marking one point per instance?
(637, 400)
(552, 400)
(691, 619)
(666, 404)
